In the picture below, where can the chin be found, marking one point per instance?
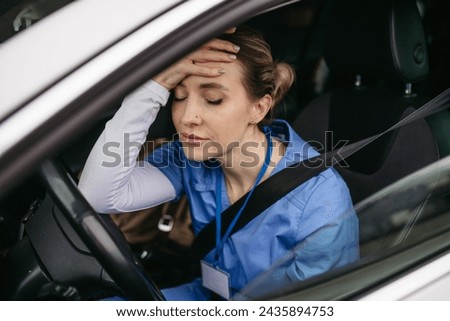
(194, 153)
(200, 152)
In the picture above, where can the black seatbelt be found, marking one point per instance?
(286, 180)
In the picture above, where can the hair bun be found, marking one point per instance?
(284, 78)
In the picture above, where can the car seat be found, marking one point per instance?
(376, 52)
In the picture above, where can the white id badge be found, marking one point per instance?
(216, 280)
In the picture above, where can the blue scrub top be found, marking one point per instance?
(315, 223)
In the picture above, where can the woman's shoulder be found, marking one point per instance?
(328, 181)
(297, 149)
(327, 185)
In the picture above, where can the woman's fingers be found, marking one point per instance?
(173, 75)
(220, 45)
(216, 50)
(202, 70)
(204, 55)
(230, 30)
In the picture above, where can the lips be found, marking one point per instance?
(191, 138)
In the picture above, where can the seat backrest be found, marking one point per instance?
(376, 51)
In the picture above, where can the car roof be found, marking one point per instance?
(40, 56)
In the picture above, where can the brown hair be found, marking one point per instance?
(262, 75)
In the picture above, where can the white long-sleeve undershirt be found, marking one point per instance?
(112, 179)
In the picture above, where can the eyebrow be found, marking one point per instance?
(213, 85)
(208, 85)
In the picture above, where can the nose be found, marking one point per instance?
(191, 114)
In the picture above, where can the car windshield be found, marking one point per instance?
(404, 214)
(16, 15)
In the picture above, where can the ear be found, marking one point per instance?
(261, 108)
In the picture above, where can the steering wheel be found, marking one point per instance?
(105, 241)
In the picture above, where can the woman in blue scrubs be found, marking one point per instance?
(223, 96)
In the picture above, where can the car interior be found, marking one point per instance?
(368, 50)
(361, 66)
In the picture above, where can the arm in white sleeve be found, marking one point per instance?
(112, 179)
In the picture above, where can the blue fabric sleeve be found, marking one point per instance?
(193, 291)
(333, 240)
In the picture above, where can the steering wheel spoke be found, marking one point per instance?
(103, 239)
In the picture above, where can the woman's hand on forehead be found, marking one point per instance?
(215, 50)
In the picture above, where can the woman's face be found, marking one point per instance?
(212, 115)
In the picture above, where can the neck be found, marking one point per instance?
(242, 164)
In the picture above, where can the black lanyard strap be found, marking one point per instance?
(276, 186)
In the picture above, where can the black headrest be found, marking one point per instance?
(377, 38)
